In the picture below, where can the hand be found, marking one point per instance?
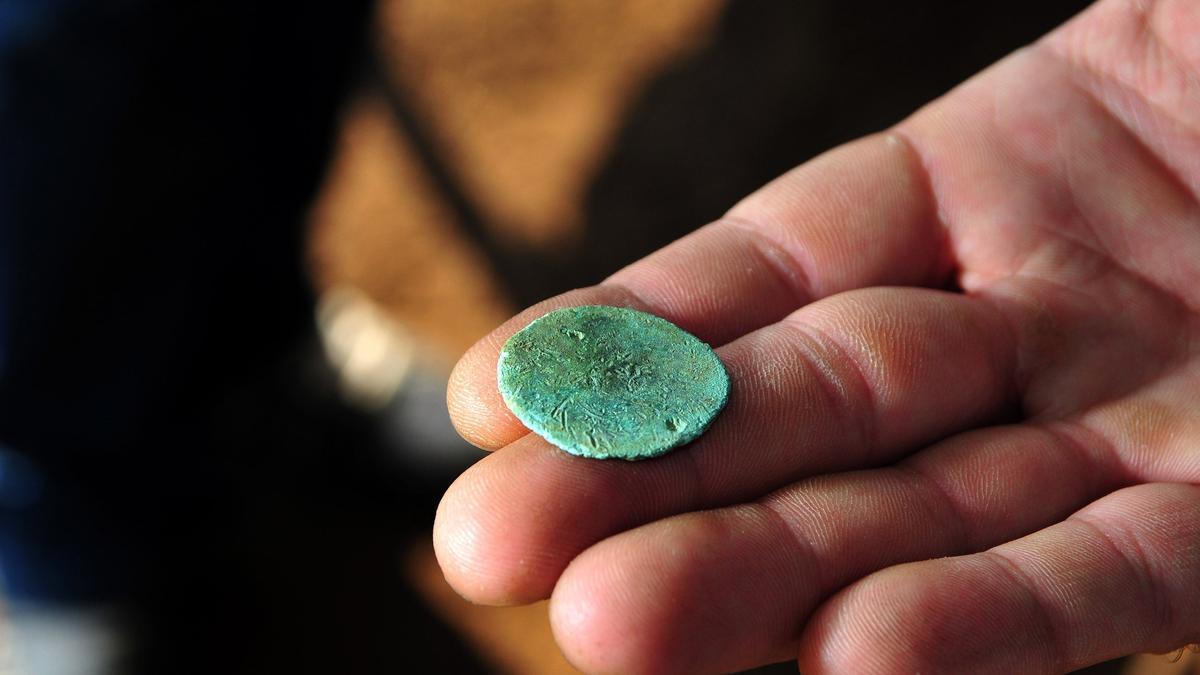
(998, 476)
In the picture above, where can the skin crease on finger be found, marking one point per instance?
(1066, 179)
(1062, 598)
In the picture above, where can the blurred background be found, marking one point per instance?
(242, 244)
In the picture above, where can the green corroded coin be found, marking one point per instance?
(609, 382)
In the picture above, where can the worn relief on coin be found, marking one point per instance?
(609, 382)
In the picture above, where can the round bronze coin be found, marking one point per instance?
(609, 382)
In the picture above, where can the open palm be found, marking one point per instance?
(965, 426)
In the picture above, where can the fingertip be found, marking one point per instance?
(599, 621)
(845, 634)
(483, 558)
(510, 524)
(477, 409)
(473, 398)
(702, 592)
(581, 635)
(456, 546)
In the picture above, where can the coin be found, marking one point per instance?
(610, 382)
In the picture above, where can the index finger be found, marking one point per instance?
(860, 215)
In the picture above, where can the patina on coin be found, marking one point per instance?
(609, 382)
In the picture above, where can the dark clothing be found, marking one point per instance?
(156, 159)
